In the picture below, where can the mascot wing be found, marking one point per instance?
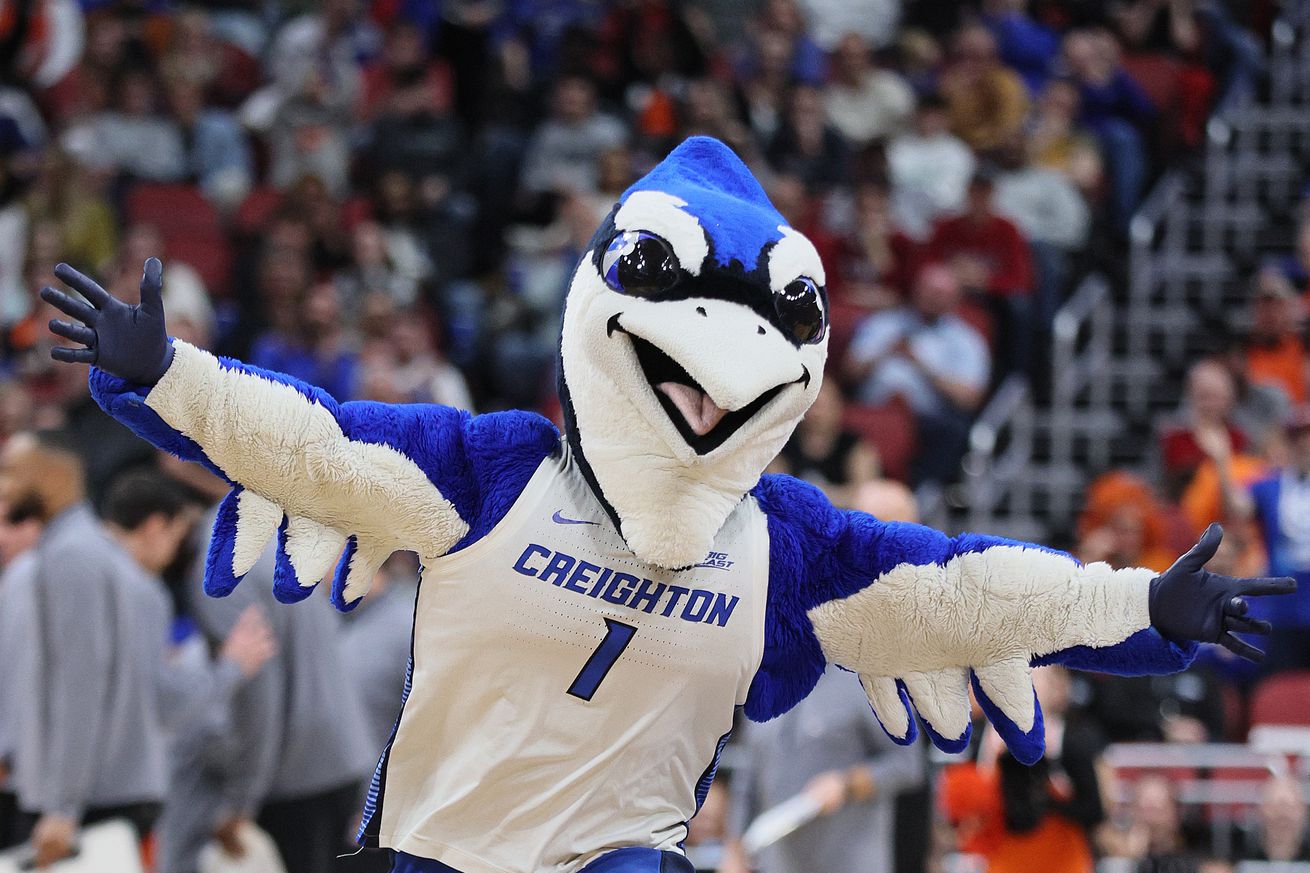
(921, 617)
(341, 484)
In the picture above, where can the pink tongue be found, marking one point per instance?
(701, 412)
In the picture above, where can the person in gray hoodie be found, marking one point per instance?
(19, 531)
(87, 670)
(298, 750)
(831, 748)
(143, 510)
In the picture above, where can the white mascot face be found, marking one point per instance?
(695, 333)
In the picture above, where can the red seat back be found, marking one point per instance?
(890, 429)
(1283, 698)
(191, 228)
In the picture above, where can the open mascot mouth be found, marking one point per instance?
(698, 419)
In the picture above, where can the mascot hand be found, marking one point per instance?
(1188, 602)
(125, 341)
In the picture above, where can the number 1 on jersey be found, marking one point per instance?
(617, 637)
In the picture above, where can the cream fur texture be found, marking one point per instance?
(990, 611)
(292, 458)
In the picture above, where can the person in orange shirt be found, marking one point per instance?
(1021, 819)
(1124, 524)
(1275, 352)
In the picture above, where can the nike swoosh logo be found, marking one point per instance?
(559, 519)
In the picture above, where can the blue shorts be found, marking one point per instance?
(620, 861)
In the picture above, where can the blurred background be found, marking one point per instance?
(1068, 258)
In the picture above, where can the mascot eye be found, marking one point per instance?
(639, 264)
(800, 311)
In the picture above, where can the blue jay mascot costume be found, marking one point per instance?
(595, 605)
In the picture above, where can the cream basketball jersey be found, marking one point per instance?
(565, 698)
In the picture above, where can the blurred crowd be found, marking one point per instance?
(387, 200)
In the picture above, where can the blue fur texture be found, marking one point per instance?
(705, 172)
(339, 577)
(479, 463)
(286, 586)
(1026, 746)
(219, 580)
(818, 553)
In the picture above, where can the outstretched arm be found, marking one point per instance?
(921, 616)
(341, 484)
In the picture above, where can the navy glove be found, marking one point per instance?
(125, 341)
(1188, 602)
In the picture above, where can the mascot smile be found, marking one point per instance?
(595, 605)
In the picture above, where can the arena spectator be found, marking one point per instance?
(1218, 492)
(199, 54)
(20, 530)
(315, 347)
(1280, 834)
(831, 748)
(1281, 505)
(805, 145)
(90, 741)
(404, 80)
(986, 100)
(1051, 215)
(1152, 831)
(1024, 44)
(1023, 818)
(865, 103)
(133, 137)
(1057, 142)
(1207, 405)
(298, 750)
(1260, 409)
(1123, 523)
(564, 153)
(375, 645)
(824, 452)
(70, 198)
(992, 259)
(785, 20)
(1275, 351)
(1164, 48)
(869, 260)
(930, 169)
(925, 353)
(147, 513)
(1116, 110)
(407, 104)
(216, 154)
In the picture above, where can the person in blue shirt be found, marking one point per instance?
(1281, 506)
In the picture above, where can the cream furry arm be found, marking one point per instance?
(356, 477)
(923, 629)
(921, 617)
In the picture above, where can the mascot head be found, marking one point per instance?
(695, 333)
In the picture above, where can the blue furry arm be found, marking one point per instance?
(920, 615)
(342, 484)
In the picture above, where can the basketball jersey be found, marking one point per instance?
(565, 698)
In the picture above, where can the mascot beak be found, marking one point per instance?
(711, 363)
